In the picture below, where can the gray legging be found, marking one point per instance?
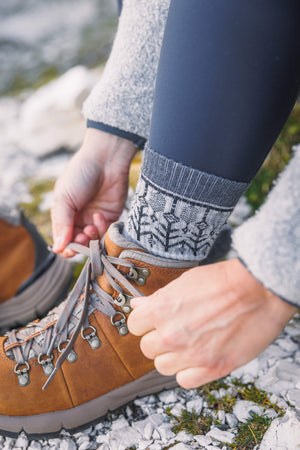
(228, 77)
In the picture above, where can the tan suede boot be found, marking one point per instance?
(81, 352)
(32, 279)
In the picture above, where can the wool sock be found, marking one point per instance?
(177, 211)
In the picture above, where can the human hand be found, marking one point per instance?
(92, 191)
(208, 322)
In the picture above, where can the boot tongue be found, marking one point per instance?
(115, 243)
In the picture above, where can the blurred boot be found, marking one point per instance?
(32, 279)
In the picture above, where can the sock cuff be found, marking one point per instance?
(188, 183)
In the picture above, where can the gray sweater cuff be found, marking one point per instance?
(138, 141)
(269, 243)
(123, 98)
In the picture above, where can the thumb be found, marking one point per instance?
(138, 301)
(62, 217)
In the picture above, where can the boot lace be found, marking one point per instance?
(64, 323)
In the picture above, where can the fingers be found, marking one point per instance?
(62, 216)
(139, 321)
(196, 376)
(100, 223)
(152, 345)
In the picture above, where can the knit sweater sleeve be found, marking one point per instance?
(269, 243)
(122, 100)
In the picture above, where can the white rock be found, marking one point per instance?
(126, 436)
(242, 409)
(297, 357)
(288, 371)
(35, 445)
(101, 438)
(232, 392)
(212, 447)
(148, 430)
(271, 382)
(119, 423)
(222, 392)
(155, 420)
(168, 397)
(271, 413)
(67, 444)
(184, 436)
(231, 420)
(176, 410)
(204, 441)
(50, 118)
(165, 431)
(220, 435)
(99, 426)
(287, 344)
(195, 405)
(143, 445)
(85, 445)
(246, 378)
(221, 416)
(215, 393)
(155, 446)
(22, 441)
(251, 368)
(293, 396)
(283, 432)
(181, 446)
(156, 435)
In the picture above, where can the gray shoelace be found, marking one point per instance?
(73, 316)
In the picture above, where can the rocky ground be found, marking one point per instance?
(257, 406)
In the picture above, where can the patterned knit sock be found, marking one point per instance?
(178, 211)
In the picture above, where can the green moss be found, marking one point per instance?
(251, 393)
(191, 422)
(225, 403)
(276, 161)
(251, 433)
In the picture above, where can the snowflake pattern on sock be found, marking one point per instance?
(173, 226)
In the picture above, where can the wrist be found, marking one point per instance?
(107, 149)
(249, 287)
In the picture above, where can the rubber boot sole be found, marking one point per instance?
(79, 417)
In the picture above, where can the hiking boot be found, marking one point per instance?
(32, 279)
(80, 361)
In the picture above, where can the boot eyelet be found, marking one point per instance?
(72, 356)
(120, 324)
(23, 376)
(91, 338)
(46, 363)
(123, 300)
(139, 275)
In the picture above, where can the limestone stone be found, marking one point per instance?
(242, 409)
(204, 441)
(168, 397)
(184, 437)
(220, 435)
(195, 405)
(284, 432)
(231, 420)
